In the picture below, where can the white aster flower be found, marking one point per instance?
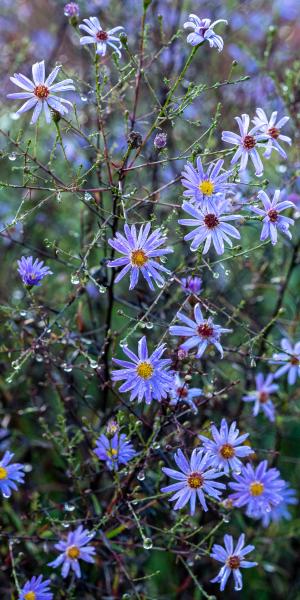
(203, 30)
(40, 93)
(100, 37)
(272, 130)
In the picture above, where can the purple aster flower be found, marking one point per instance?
(10, 475)
(273, 220)
(204, 187)
(36, 589)
(141, 252)
(193, 480)
(226, 448)
(181, 392)
(289, 359)
(210, 226)
(203, 30)
(191, 285)
(272, 131)
(259, 489)
(146, 377)
(246, 142)
(281, 511)
(32, 272)
(75, 548)
(114, 451)
(97, 35)
(201, 332)
(261, 396)
(233, 559)
(71, 9)
(160, 140)
(40, 94)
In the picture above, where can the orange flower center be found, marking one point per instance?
(233, 562)
(41, 91)
(294, 360)
(195, 480)
(249, 142)
(138, 258)
(227, 451)
(145, 370)
(256, 488)
(274, 132)
(73, 552)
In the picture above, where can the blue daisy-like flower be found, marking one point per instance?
(115, 451)
(181, 392)
(272, 131)
(100, 37)
(10, 474)
(259, 489)
(281, 511)
(31, 272)
(75, 548)
(261, 396)
(246, 144)
(36, 589)
(227, 447)
(195, 478)
(289, 360)
(41, 93)
(203, 30)
(233, 559)
(141, 253)
(204, 187)
(273, 221)
(210, 226)
(146, 377)
(201, 332)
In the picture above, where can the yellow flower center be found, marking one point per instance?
(227, 451)
(195, 480)
(256, 488)
(207, 187)
(138, 258)
(113, 452)
(30, 596)
(3, 473)
(73, 552)
(145, 370)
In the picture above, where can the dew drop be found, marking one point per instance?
(69, 507)
(93, 364)
(83, 98)
(216, 275)
(141, 476)
(147, 543)
(88, 197)
(75, 279)
(12, 156)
